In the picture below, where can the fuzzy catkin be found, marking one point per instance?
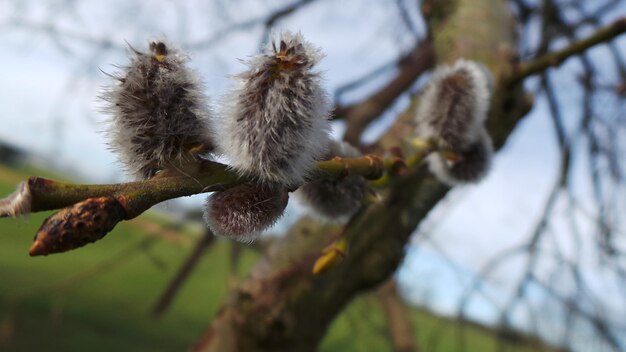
(474, 163)
(159, 112)
(454, 105)
(336, 199)
(243, 211)
(274, 124)
(452, 110)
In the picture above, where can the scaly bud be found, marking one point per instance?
(275, 123)
(243, 211)
(452, 111)
(337, 198)
(78, 225)
(160, 114)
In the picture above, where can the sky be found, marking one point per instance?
(50, 107)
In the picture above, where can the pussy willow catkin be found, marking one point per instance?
(243, 211)
(274, 124)
(453, 109)
(159, 112)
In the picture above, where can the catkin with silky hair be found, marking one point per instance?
(160, 116)
(452, 110)
(243, 211)
(274, 124)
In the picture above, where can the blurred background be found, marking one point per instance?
(532, 258)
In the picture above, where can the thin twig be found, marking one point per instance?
(167, 297)
(555, 58)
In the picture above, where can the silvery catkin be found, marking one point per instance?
(452, 110)
(274, 124)
(159, 112)
(243, 211)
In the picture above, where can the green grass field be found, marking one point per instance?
(98, 298)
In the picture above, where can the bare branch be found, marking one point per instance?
(360, 115)
(555, 58)
(183, 273)
(267, 22)
(398, 321)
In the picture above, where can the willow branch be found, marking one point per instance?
(555, 58)
(91, 211)
(40, 194)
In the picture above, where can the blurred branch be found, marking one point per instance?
(266, 21)
(339, 111)
(398, 320)
(172, 289)
(405, 17)
(594, 19)
(555, 58)
(360, 115)
(597, 321)
(56, 33)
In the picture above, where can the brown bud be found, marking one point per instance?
(78, 225)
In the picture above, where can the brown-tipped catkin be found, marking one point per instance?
(243, 211)
(159, 112)
(335, 199)
(274, 124)
(452, 110)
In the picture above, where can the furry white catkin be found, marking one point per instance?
(274, 123)
(453, 109)
(336, 199)
(243, 211)
(159, 112)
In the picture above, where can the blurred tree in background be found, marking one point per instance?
(576, 241)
